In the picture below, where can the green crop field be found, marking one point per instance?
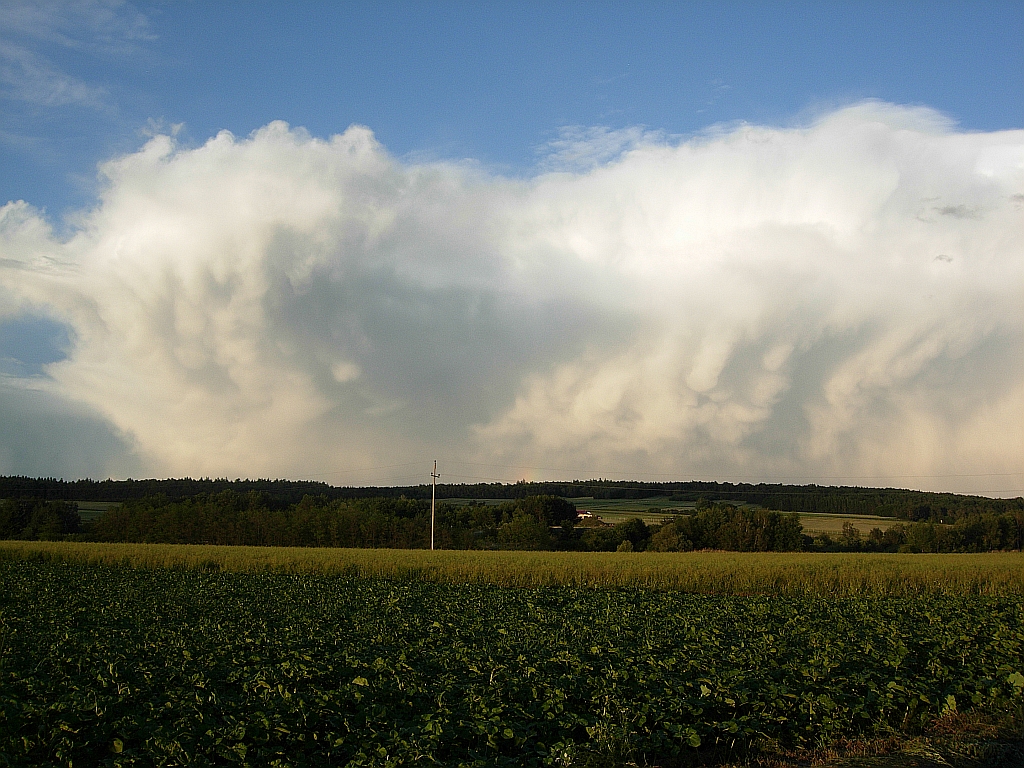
(110, 665)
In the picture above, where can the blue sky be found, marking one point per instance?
(492, 82)
(763, 241)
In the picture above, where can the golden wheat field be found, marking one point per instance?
(998, 573)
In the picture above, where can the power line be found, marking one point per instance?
(602, 473)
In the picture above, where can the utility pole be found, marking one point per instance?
(433, 499)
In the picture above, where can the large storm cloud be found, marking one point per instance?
(843, 299)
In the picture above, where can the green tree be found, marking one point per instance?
(850, 537)
(524, 531)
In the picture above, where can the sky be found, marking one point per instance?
(750, 242)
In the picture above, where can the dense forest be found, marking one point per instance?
(36, 519)
(534, 522)
(912, 506)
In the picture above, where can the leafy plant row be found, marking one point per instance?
(115, 666)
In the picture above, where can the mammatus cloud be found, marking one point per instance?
(838, 300)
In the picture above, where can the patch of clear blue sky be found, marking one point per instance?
(495, 81)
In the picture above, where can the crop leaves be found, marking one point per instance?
(117, 666)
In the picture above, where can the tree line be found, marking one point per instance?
(533, 522)
(974, 533)
(38, 519)
(901, 504)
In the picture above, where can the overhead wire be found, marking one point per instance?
(602, 473)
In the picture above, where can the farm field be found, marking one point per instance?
(123, 666)
(657, 509)
(815, 523)
(90, 510)
(723, 573)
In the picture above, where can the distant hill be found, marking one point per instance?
(890, 502)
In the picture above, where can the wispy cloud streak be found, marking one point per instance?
(36, 36)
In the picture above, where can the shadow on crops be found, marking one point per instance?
(969, 740)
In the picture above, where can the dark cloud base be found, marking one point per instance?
(42, 435)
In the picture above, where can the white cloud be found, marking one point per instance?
(842, 299)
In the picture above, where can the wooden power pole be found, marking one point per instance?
(433, 500)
